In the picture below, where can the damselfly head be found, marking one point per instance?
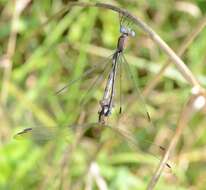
(127, 31)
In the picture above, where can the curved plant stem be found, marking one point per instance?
(184, 118)
(183, 69)
(190, 38)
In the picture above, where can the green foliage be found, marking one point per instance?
(47, 57)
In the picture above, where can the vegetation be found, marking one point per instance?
(64, 149)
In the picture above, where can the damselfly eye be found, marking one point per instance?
(123, 30)
(132, 33)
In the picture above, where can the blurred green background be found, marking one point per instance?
(45, 58)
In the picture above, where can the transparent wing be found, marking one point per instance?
(96, 82)
(43, 134)
(105, 62)
(133, 80)
(37, 133)
(128, 137)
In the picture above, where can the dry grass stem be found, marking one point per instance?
(186, 114)
(186, 43)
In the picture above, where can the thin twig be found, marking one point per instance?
(184, 118)
(185, 44)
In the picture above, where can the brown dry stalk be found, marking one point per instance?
(185, 44)
(19, 6)
(184, 118)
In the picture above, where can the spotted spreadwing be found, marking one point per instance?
(115, 63)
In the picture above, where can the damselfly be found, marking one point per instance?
(115, 61)
(107, 101)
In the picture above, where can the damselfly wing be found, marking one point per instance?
(42, 135)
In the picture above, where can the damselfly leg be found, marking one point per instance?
(125, 25)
